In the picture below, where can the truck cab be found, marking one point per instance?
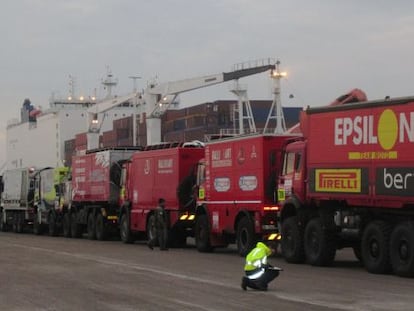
(292, 179)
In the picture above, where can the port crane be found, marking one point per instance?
(157, 98)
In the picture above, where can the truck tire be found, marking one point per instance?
(124, 229)
(75, 228)
(3, 225)
(52, 224)
(151, 230)
(245, 236)
(375, 247)
(292, 241)
(18, 221)
(91, 227)
(15, 223)
(319, 242)
(101, 227)
(66, 225)
(402, 249)
(202, 234)
(37, 227)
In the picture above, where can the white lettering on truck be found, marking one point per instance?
(386, 129)
(396, 181)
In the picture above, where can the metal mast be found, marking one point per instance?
(109, 83)
(244, 109)
(276, 111)
(134, 116)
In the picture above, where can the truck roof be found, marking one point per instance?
(115, 148)
(361, 105)
(254, 135)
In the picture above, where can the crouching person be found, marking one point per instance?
(258, 272)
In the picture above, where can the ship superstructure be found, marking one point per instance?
(38, 138)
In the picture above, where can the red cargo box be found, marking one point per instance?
(240, 169)
(92, 180)
(362, 152)
(156, 174)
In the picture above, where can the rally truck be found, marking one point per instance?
(237, 184)
(349, 182)
(164, 171)
(47, 193)
(94, 193)
(17, 200)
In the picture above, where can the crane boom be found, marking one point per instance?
(155, 95)
(111, 103)
(94, 124)
(175, 87)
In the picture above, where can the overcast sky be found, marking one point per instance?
(327, 47)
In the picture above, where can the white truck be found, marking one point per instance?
(31, 197)
(16, 208)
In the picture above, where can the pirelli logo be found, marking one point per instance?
(338, 180)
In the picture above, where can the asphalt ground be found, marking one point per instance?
(54, 273)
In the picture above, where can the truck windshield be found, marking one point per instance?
(289, 163)
(200, 173)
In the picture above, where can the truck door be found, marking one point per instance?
(123, 184)
(200, 182)
(292, 179)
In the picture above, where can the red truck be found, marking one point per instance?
(95, 189)
(163, 171)
(349, 182)
(237, 183)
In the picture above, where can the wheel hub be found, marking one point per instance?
(374, 249)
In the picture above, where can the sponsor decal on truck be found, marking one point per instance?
(384, 130)
(397, 181)
(333, 180)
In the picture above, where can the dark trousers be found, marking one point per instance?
(260, 282)
(161, 237)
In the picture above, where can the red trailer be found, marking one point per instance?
(237, 192)
(162, 171)
(95, 189)
(350, 183)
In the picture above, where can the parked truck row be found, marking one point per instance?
(343, 178)
(218, 194)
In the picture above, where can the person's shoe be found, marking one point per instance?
(244, 283)
(150, 246)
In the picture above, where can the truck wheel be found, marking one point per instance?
(91, 227)
(375, 247)
(402, 249)
(101, 228)
(202, 234)
(20, 222)
(124, 230)
(16, 220)
(75, 228)
(3, 225)
(245, 237)
(320, 246)
(52, 224)
(151, 230)
(292, 241)
(66, 225)
(37, 227)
